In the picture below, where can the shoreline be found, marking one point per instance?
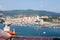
(46, 24)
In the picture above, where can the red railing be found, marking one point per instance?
(28, 38)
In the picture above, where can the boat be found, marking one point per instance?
(4, 35)
(8, 30)
(7, 33)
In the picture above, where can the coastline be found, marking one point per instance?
(46, 24)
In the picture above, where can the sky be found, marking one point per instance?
(48, 5)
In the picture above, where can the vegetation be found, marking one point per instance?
(47, 20)
(50, 19)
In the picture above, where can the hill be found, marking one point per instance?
(30, 12)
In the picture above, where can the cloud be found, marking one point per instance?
(1, 7)
(41, 4)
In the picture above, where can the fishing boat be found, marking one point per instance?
(7, 32)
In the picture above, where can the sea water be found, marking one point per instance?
(35, 31)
